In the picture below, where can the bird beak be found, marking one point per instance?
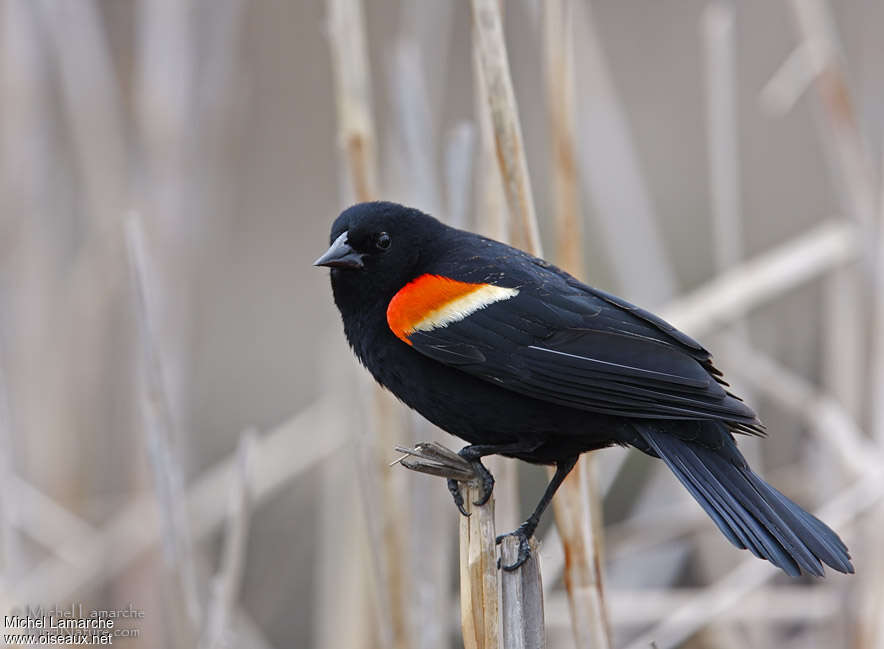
(340, 255)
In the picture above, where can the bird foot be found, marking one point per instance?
(486, 482)
(522, 533)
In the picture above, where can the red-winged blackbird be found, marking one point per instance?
(520, 359)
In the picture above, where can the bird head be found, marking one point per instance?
(376, 247)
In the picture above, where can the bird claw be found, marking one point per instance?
(524, 548)
(483, 475)
(454, 488)
(486, 483)
(486, 487)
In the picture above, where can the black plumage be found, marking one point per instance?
(536, 365)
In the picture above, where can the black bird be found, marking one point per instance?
(519, 358)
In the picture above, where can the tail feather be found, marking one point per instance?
(751, 514)
(824, 543)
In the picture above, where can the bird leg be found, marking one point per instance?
(526, 530)
(474, 454)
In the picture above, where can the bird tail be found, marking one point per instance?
(751, 513)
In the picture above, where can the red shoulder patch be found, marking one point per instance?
(420, 299)
(432, 301)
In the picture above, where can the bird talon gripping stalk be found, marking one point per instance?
(464, 466)
(524, 547)
(483, 475)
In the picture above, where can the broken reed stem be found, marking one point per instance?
(491, 48)
(521, 599)
(577, 505)
(479, 585)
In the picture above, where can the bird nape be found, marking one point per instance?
(519, 358)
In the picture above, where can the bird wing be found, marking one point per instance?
(545, 335)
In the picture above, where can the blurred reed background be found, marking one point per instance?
(181, 424)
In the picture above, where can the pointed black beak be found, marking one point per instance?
(340, 255)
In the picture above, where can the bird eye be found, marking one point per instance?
(383, 241)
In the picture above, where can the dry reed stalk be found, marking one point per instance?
(577, 504)
(578, 512)
(490, 203)
(492, 56)
(521, 599)
(479, 585)
(226, 585)
(160, 426)
(493, 220)
(356, 132)
(357, 139)
(722, 133)
(558, 59)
